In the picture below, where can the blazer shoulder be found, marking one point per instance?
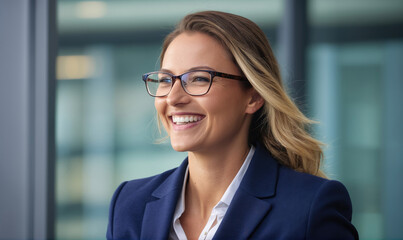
(326, 204)
(128, 204)
(304, 181)
(330, 213)
(312, 186)
(301, 190)
(144, 186)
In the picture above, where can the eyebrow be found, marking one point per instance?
(190, 69)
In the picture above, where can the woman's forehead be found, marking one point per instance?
(189, 50)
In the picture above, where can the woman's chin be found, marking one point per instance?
(180, 147)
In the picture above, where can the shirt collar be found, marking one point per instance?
(233, 187)
(180, 207)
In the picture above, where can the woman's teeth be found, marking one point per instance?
(185, 119)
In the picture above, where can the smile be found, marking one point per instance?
(182, 120)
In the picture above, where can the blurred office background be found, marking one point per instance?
(349, 80)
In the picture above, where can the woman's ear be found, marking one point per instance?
(255, 102)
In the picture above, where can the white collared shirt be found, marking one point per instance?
(219, 210)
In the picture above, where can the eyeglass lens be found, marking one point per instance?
(194, 83)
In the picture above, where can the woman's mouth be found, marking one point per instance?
(186, 119)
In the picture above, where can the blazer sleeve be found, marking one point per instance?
(109, 232)
(330, 214)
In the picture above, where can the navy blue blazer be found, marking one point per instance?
(272, 202)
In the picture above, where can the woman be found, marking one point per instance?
(252, 170)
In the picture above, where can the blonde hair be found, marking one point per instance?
(279, 125)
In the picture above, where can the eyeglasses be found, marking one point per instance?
(195, 83)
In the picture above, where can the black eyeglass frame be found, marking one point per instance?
(174, 77)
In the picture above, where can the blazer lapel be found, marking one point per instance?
(158, 213)
(250, 205)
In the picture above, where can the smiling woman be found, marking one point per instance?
(225, 112)
(252, 170)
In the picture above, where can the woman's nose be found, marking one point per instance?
(177, 95)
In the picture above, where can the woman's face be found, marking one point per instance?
(220, 117)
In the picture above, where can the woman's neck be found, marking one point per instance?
(210, 174)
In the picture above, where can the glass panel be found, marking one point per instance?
(348, 87)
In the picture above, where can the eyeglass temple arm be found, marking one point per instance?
(230, 76)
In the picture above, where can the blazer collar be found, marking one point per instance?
(247, 208)
(260, 179)
(250, 204)
(158, 214)
(173, 182)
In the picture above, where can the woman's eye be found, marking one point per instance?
(165, 80)
(200, 79)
